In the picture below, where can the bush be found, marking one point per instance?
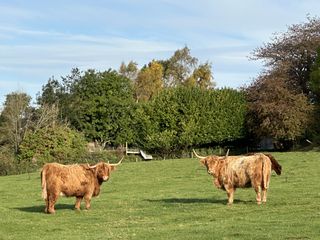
(54, 144)
(7, 162)
(180, 118)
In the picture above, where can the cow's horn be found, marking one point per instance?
(92, 167)
(116, 164)
(198, 156)
(227, 154)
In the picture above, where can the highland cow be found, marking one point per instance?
(232, 172)
(77, 180)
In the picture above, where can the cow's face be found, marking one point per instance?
(211, 164)
(103, 171)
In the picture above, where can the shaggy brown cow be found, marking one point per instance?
(77, 180)
(231, 172)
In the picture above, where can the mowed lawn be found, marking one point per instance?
(170, 199)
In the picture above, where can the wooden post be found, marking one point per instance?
(126, 148)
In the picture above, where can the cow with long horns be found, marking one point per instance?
(232, 172)
(77, 180)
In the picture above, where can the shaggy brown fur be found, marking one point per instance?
(275, 165)
(78, 180)
(234, 172)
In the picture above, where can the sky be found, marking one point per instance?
(44, 39)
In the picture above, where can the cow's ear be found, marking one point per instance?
(203, 161)
(112, 168)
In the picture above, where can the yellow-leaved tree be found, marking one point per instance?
(149, 81)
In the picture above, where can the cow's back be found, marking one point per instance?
(71, 180)
(241, 171)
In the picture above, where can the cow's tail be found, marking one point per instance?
(274, 164)
(265, 175)
(44, 184)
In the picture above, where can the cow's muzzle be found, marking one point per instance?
(105, 178)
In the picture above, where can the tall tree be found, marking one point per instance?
(179, 67)
(275, 110)
(130, 70)
(201, 77)
(315, 88)
(182, 69)
(295, 51)
(315, 78)
(101, 106)
(58, 93)
(149, 81)
(44, 117)
(69, 81)
(290, 59)
(51, 92)
(15, 119)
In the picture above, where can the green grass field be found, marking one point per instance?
(171, 199)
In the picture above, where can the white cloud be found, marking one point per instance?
(41, 39)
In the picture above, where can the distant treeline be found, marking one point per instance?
(168, 106)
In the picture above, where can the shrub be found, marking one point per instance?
(179, 118)
(7, 162)
(58, 143)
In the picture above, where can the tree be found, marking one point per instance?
(50, 92)
(58, 93)
(69, 81)
(15, 119)
(314, 131)
(129, 71)
(290, 59)
(315, 78)
(149, 81)
(182, 69)
(202, 77)
(97, 103)
(44, 117)
(294, 51)
(101, 104)
(179, 67)
(275, 110)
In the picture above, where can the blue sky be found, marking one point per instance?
(41, 39)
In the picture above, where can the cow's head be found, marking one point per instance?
(211, 162)
(103, 170)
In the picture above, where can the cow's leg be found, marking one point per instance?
(87, 199)
(47, 205)
(78, 203)
(264, 195)
(265, 187)
(46, 200)
(52, 199)
(230, 193)
(258, 194)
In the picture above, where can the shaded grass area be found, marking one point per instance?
(171, 199)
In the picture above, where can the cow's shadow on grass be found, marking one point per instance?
(40, 208)
(196, 200)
